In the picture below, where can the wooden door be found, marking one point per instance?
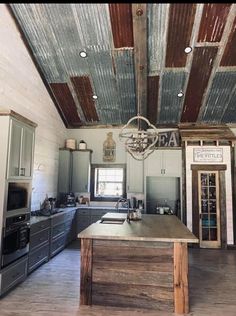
(209, 209)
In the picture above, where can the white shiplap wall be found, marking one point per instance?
(22, 90)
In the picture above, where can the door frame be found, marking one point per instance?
(222, 199)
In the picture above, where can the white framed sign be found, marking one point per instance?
(208, 154)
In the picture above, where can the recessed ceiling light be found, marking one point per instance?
(188, 49)
(95, 97)
(180, 94)
(83, 54)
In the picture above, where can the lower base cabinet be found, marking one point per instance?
(39, 244)
(13, 274)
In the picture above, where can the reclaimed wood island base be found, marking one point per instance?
(141, 264)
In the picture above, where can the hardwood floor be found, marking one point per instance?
(53, 289)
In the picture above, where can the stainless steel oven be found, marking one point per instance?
(15, 238)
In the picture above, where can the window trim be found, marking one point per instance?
(107, 199)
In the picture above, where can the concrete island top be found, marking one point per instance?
(166, 228)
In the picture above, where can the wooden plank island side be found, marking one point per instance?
(135, 272)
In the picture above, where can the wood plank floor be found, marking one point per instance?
(53, 289)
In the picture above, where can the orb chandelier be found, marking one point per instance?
(140, 143)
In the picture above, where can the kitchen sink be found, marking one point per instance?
(113, 221)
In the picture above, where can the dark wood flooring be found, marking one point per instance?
(53, 289)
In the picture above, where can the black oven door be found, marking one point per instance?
(15, 243)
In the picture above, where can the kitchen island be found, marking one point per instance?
(137, 264)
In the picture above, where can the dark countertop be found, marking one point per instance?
(36, 219)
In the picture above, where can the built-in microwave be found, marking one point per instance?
(18, 197)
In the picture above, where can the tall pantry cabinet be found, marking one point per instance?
(16, 156)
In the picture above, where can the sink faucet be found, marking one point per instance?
(125, 203)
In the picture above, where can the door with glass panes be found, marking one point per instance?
(209, 209)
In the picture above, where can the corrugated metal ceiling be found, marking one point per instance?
(57, 33)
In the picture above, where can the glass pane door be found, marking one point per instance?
(209, 217)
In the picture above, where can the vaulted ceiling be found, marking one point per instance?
(136, 60)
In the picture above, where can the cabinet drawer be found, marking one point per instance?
(14, 274)
(57, 245)
(57, 219)
(39, 238)
(83, 212)
(38, 257)
(58, 230)
(34, 228)
(68, 216)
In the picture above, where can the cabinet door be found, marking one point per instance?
(164, 163)
(153, 164)
(21, 150)
(64, 174)
(134, 175)
(172, 163)
(81, 161)
(15, 149)
(27, 152)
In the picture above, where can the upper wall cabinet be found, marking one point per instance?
(74, 170)
(81, 166)
(164, 163)
(64, 174)
(21, 150)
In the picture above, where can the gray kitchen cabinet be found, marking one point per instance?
(74, 170)
(64, 174)
(21, 145)
(81, 165)
(39, 244)
(134, 175)
(13, 274)
(62, 231)
(88, 216)
(83, 219)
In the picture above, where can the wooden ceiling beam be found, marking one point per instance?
(139, 15)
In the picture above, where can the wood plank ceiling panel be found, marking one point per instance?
(84, 92)
(121, 24)
(213, 21)
(229, 56)
(152, 98)
(66, 102)
(203, 60)
(181, 19)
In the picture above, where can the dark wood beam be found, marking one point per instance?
(139, 14)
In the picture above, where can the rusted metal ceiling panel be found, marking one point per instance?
(121, 23)
(220, 94)
(229, 56)
(171, 104)
(157, 30)
(66, 102)
(84, 92)
(125, 81)
(152, 98)
(203, 60)
(181, 19)
(213, 21)
(230, 113)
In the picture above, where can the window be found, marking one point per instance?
(108, 182)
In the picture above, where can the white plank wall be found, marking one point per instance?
(22, 90)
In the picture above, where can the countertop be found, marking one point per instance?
(36, 219)
(166, 228)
